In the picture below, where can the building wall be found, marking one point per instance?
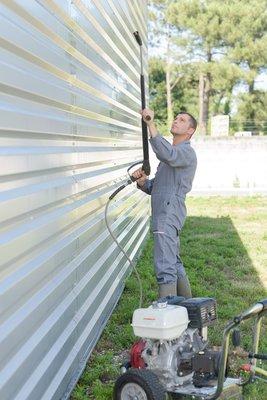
(70, 127)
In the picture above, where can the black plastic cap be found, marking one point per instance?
(138, 38)
(264, 303)
(236, 338)
(172, 300)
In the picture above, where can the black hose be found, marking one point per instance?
(258, 356)
(119, 245)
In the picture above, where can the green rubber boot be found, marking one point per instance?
(167, 289)
(184, 288)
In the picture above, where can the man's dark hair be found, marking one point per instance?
(193, 121)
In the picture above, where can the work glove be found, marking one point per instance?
(140, 177)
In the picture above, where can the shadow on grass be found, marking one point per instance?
(219, 266)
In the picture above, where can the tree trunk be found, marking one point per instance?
(204, 97)
(218, 103)
(250, 124)
(168, 84)
(251, 87)
(203, 103)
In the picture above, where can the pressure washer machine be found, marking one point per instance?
(172, 358)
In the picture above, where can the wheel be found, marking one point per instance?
(138, 384)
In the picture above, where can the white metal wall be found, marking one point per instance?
(69, 129)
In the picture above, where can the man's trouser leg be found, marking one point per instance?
(165, 258)
(183, 285)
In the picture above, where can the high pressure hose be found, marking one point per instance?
(122, 249)
(145, 168)
(111, 197)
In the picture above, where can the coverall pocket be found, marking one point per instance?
(161, 206)
(178, 212)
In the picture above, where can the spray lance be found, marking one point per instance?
(145, 163)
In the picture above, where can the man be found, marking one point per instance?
(173, 180)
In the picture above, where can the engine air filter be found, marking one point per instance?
(201, 311)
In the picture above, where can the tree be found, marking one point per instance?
(183, 93)
(157, 88)
(252, 114)
(201, 22)
(247, 48)
(170, 52)
(224, 45)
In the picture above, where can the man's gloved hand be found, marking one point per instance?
(140, 176)
(148, 115)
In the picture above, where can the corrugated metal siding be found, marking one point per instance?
(69, 129)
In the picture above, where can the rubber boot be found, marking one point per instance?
(167, 289)
(183, 287)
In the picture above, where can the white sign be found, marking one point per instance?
(243, 134)
(220, 125)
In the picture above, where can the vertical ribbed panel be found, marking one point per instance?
(70, 127)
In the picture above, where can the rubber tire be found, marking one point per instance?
(146, 379)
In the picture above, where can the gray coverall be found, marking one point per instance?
(173, 180)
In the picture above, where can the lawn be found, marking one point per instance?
(224, 250)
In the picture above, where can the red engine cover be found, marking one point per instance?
(135, 353)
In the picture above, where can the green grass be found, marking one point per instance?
(223, 247)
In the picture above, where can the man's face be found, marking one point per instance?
(181, 125)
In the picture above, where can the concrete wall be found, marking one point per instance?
(229, 166)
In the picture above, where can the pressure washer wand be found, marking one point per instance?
(146, 164)
(145, 167)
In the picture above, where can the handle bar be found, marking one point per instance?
(259, 309)
(254, 310)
